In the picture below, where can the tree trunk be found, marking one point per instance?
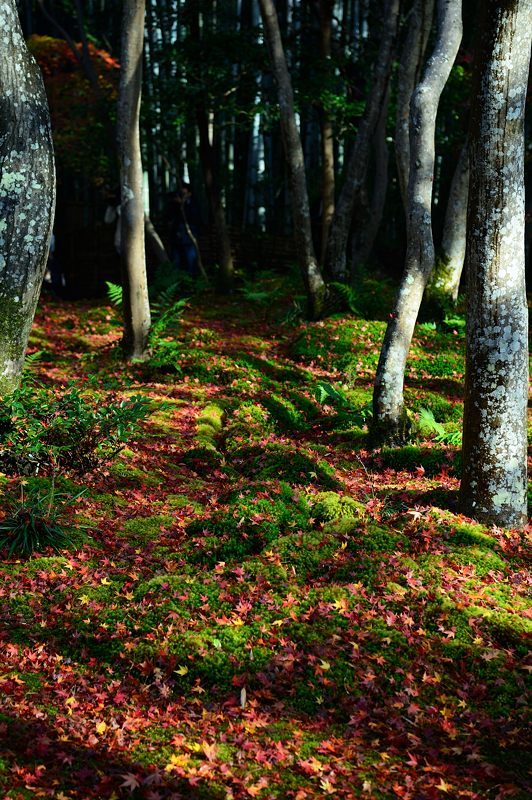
(326, 8)
(155, 242)
(27, 193)
(445, 280)
(136, 304)
(357, 165)
(410, 66)
(389, 416)
(494, 481)
(227, 271)
(365, 240)
(313, 279)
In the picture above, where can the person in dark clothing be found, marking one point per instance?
(185, 227)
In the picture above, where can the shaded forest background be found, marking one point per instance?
(205, 64)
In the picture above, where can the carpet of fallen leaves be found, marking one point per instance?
(219, 630)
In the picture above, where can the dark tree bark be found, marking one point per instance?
(312, 277)
(494, 480)
(227, 271)
(336, 259)
(326, 8)
(136, 305)
(27, 193)
(389, 417)
(368, 228)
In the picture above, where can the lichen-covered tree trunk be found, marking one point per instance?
(389, 417)
(336, 258)
(27, 193)
(410, 66)
(445, 279)
(136, 305)
(312, 277)
(494, 481)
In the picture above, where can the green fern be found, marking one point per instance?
(427, 424)
(348, 295)
(114, 293)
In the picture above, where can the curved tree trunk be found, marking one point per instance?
(389, 418)
(494, 481)
(358, 159)
(155, 242)
(27, 193)
(136, 303)
(445, 280)
(313, 279)
(410, 66)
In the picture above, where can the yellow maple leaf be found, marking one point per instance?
(101, 727)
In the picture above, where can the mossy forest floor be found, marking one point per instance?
(259, 606)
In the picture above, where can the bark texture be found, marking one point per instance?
(410, 66)
(373, 209)
(326, 9)
(388, 409)
(312, 277)
(27, 193)
(227, 270)
(336, 259)
(445, 280)
(494, 485)
(136, 303)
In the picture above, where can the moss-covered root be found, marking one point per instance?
(209, 426)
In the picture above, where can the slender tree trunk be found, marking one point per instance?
(227, 271)
(357, 165)
(389, 416)
(154, 242)
(365, 240)
(445, 279)
(326, 8)
(494, 480)
(136, 304)
(27, 193)
(410, 66)
(313, 279)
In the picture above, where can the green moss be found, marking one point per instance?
(328, 506)
(432, 459)
(286, 415)
(45, 564)
(483, 560)
(147, 529)
(183, 501)
(469, 534)
(304, 554)
(293, 466)
(134, 475)
(185, 592)
(249, 422)
(249, 527)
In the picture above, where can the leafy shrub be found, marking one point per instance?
(71, 431)
(34, 523)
